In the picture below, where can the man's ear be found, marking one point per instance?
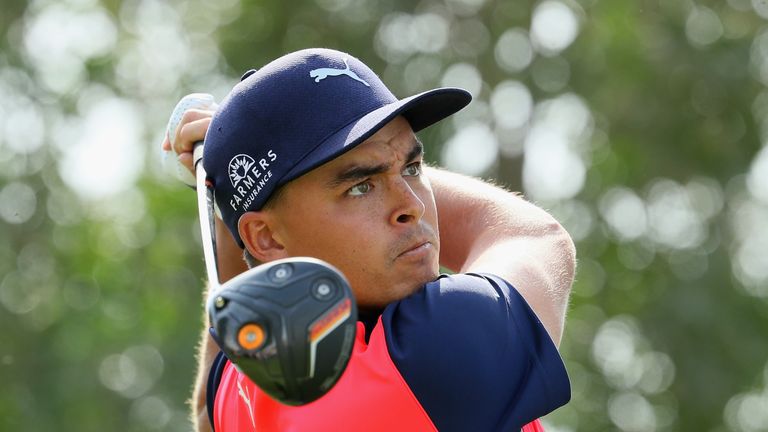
(259, 238)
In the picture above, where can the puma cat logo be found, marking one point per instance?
(247, 400)
(323, 73)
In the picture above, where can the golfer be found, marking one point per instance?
(312, 155)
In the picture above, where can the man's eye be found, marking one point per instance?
(413, 169)
(359, 189)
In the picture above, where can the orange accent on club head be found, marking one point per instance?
(330, 320)
(250, 336)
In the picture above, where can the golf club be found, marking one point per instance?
(289, 325)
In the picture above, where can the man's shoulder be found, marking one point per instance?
(488, 295)
(457, 313)
(457, 304)
(474, 335)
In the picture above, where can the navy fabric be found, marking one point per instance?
(296, 113)
(475, 355)
(472, 352)
(214, 379)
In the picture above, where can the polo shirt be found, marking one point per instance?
(465, 353)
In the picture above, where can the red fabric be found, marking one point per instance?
(534, 426)
(371, 395)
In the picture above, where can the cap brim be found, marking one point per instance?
(421, 111)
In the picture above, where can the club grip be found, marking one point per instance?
(171, 163)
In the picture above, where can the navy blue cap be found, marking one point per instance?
(295, 114)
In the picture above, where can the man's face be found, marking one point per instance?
(371, 213)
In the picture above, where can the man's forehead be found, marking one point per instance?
(372, 158)
(396, 138)
(394, 141)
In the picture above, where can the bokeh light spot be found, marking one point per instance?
(624, 212)
(472, 151)
(703, 26)
(554, 27)
(513, 50)
(757, 178)
(463, 75)
(108, 155)
(631, 412)
(551, 169)
(133, 372)
(18, 202)
(511, 104)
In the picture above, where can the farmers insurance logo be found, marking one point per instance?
(239, 167)
(248, 177)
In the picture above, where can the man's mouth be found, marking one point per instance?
(421, 246)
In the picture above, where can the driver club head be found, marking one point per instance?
(288, 325)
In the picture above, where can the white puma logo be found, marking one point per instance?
(244, 395)
(323, 73)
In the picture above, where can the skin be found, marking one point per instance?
(363, 226)
(370, 212)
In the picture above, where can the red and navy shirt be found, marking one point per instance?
(464, 353)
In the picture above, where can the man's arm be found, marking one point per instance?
(191, 129)
(231, 264)
(484, 228)
(206, 353)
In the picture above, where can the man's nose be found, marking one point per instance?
(408, 206)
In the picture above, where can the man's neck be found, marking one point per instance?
(369, 317)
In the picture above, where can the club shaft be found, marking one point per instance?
(205, 209)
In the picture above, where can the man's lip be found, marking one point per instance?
(415, 246)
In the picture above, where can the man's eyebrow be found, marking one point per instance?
(358, 172)
(416, 152)
(355, 173)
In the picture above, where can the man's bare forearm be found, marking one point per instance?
(206, 353)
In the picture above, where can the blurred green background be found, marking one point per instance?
(639, 124)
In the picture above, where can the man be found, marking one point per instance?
(313, 156)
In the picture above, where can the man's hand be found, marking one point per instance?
(191, 129)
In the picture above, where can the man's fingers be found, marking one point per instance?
(191, 129)
(166, 145)
(186, 160)
(194, 131)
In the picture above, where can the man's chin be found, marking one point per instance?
(401, 288)
(431, 276)
(420, 281)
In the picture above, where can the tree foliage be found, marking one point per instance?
(639, 125)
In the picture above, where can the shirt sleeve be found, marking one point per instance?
(212, 386)
(475, 355)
